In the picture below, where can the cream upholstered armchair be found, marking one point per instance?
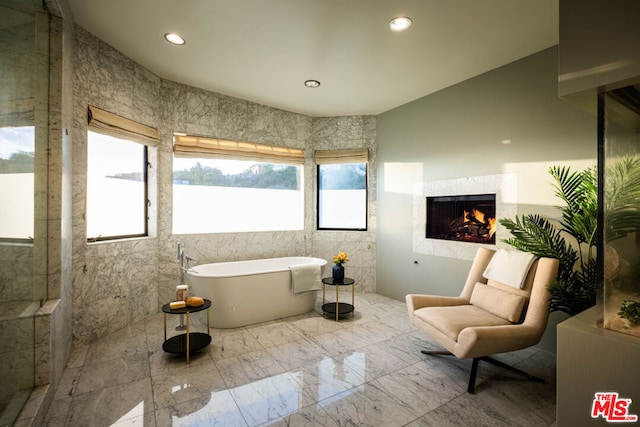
(490, 316)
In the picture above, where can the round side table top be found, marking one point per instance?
(344, 282)
(167, 308)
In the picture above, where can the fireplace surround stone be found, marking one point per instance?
(504, 186)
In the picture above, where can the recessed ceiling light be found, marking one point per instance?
(311, 83)
(174, 38)
(400, 23)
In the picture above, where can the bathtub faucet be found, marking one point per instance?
(185, 261)
(184, 258)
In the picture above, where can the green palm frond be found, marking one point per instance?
(568, 298)
(575, 287)
(567, 185)
(537, 235)
(579, 191)
(622, 215)
(576, 284)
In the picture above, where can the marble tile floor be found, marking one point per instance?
(366, 370)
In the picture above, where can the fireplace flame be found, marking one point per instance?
(492, 227)
(479, 217)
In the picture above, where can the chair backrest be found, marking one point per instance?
(541, 273)
(537, 312)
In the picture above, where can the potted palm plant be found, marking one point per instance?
(572, 240)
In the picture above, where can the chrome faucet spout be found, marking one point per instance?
(180, 253)
(184, 261)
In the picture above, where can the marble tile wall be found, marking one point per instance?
(16, 352)
(53, 334)
(332, 133)
(199, 112)
(17, 71)
(16, 264)
(116, 282)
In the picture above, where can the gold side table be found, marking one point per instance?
(338, 308)
(189, 341)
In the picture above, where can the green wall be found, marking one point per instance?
(458, 132)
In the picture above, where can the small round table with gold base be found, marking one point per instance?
(338, 308)
(189, 341)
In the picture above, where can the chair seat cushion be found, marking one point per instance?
(452, 320)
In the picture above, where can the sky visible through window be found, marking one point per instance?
(16, 139)
(112, 156)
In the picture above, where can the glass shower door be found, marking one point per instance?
(24, 35)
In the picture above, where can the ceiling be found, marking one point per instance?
(263, 50)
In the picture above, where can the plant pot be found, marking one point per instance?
(338, 273)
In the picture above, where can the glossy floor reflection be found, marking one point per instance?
(366, 370)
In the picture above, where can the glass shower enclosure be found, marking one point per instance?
(24, 92)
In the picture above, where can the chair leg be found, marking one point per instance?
(511, 368)
(432, 352)
(474, 368)
(472, 377)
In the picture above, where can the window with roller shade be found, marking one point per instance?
(117, 168)
(342, 189)
(223, 186)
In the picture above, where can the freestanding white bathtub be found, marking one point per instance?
(247, 292)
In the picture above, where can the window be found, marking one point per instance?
(222, 186)
(342, 189)
(117, 164)
(17, 150)
(116, 188)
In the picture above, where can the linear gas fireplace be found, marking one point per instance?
(467, 218)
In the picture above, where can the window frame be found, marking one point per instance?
(145, 178)
(205, 147)
(30, 238)
(366, 207)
